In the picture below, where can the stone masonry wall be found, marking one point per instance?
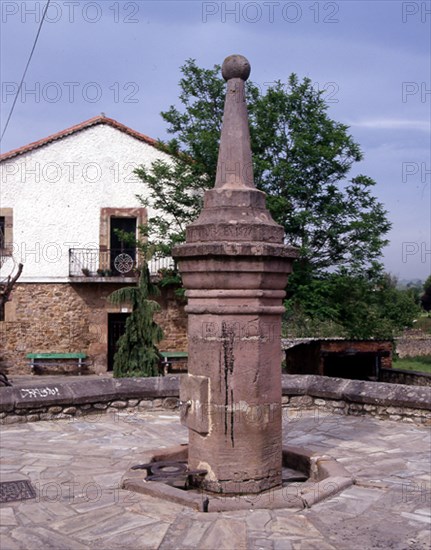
(173, 320)
(125, 409)
(127, 396)
(410, 378)
(412, 344)
(122, 409)
(43, 318)
(322, 406)
(59, 317)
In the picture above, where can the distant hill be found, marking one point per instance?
(407, 283)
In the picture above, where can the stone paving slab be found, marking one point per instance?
(77, 466)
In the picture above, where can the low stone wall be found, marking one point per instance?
(357, 397)
(408, 377)
(126, 396)
(413, 344)
(294, 406)
(65, 399)
(92, 411)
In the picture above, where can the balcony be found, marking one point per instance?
(91, 265)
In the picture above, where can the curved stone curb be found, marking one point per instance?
(358, 391)
(382, 400)
(325, 489)
(81, 392)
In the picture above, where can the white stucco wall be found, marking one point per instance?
(57, 192)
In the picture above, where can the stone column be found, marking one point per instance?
(234, 266)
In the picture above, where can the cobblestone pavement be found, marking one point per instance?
(76, 467)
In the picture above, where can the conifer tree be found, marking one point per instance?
(137, 353)
(426, 297)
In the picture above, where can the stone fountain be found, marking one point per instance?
(234, 267)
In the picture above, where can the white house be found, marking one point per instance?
(62, 199)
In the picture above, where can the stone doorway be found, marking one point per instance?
(116, 328)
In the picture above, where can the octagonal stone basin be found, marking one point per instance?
(323, 477)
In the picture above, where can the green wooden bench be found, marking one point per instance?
(168, 357)
(53, 359)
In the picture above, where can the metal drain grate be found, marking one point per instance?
(174, 473)
(11, 491)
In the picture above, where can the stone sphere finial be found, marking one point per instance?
(235, 66)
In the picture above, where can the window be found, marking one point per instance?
(123, 255)
(6, 230)
(111, 245)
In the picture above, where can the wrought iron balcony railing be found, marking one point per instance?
(92, 262)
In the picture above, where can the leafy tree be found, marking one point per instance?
(137, 353)
(415, 289)
(301, 160)
(351, 306)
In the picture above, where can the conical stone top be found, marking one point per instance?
(235, 165)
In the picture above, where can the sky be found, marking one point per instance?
(123, 58)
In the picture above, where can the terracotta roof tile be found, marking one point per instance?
(100, 119)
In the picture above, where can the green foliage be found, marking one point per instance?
(339, 304)
(424, 324)
(415, 290)
(301, 159)
(137, 353)
(171, 277)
